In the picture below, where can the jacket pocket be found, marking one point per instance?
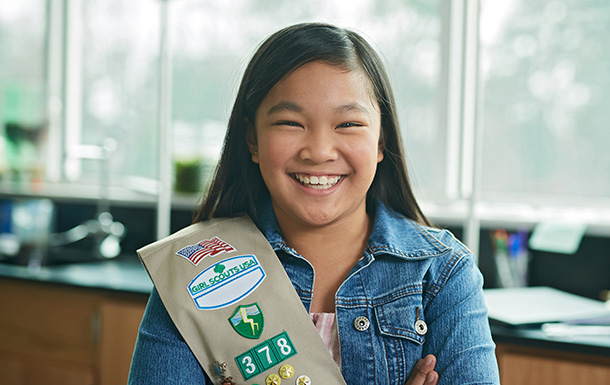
(402, 317)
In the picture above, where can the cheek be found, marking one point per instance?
(269, 143)
(366, 161)
(273, 156)
(366, 151)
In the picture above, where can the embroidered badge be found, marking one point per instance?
(248, 320)
(206, 248)
(226, 282)
(265, 355)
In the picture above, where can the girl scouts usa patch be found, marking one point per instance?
(226, 282)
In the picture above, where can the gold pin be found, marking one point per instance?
(286, 371)
(303, 380)
(273, 379)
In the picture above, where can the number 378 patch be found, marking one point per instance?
(265, 355)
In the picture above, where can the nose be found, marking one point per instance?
(319, 146)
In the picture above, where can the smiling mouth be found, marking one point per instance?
(317, 182)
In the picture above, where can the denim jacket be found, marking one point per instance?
(418, 288)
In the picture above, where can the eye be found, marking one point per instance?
(287, 123)
(349, 124)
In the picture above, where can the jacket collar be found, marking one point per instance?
(395, 235)
(392, 234)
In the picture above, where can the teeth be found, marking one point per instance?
(322, 182)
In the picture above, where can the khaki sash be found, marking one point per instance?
(233, 303)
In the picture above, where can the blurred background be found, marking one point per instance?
(503, 108)
(113, 112)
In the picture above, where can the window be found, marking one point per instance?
(119, 86)
(546, 86)
(503, 105)
(22, 89)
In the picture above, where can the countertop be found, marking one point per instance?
(534, 337)
(125, 275)
(130, 276)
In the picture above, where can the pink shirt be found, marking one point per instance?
(326, 325)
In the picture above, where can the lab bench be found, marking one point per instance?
(528, 356)
(77, 324)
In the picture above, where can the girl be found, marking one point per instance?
(314, 156)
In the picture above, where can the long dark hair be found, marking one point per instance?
(238, 184)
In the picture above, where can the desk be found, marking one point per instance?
(528, 356)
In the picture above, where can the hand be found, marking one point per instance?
(423, 373)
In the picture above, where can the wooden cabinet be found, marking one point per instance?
(68, 335)
(520, 365)
(53, 334)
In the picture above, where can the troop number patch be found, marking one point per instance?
(265, 355)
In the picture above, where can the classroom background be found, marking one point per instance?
(113, 112)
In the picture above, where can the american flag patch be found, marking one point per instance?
(206, 248)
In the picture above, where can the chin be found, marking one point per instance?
(321, 219)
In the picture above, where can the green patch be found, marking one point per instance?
(265, 355)
(248, 320)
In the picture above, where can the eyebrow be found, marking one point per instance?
(352, 107)
(283, 106)
(286, 105)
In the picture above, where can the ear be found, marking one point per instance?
(381, 146)
(251, 139)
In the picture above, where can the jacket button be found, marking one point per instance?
(420, 327)
(361, 323)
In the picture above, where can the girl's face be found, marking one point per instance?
(316, 140)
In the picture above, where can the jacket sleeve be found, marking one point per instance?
(458, 327)
(161, 356)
